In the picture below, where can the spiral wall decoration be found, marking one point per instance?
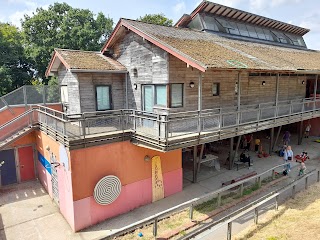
(107, 190)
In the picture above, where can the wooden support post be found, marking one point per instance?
(300, 133)
(271, 140)
(259, 182)
(236, 151)
(195, 171)
(231, 153)
(277, 90)
(273, 174)
(315, 92)
(277, 203)
(239, 99)
(277, 137)
(200, 157)
(199, 104)
(229, 234)
(318, 176)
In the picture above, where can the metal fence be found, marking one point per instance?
(194, 202)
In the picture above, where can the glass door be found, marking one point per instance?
(148, 102)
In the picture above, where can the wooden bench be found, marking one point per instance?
(238, 179)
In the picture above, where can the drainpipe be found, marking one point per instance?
(277, 90)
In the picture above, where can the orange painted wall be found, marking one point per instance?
(121, 159)
(42, 141)
(6, 115)
(26, 140)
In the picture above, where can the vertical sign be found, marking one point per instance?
(157, 179)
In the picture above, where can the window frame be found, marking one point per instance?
(110, 96)
(182, 95)
(218, 89)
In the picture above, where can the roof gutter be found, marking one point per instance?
(97, 71)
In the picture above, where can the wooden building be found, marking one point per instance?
(129, 110)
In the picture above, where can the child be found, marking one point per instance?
(302, 169)
(308, 128)
(257, 144)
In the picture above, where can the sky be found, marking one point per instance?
(303, 13)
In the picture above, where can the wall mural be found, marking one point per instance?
(157, 179)
(107, 190)
(64, 160)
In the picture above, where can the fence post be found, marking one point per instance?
(318, 177)
(256, 215)
(306, 183)
(219, 200)
(241, 190)
(155, 227)
(44, 95)
(273, 174)
(229, 234)
(191, 212)
(25, 96)
(293, 191)
(259, 182)
(277, 203)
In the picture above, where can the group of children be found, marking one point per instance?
(247, 141)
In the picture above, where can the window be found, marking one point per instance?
(103, 98)
(236, 88)
(176, 95)
(64, 93)
(161, 95)
(215, 89)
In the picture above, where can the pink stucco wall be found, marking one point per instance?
(87, 212)
(45, 178)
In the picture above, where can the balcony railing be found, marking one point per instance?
(174, 130)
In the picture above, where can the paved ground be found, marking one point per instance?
(27, 212)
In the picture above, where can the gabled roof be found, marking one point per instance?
(239, 15)
(84, 61)
(204, 50)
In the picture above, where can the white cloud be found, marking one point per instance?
(30, 7)
(180, 8)
(312, 22)
(259, 5)
(229, 3)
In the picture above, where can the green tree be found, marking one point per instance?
(159, 19)
(14, 66)
(62, 26)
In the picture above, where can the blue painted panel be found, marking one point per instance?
(8, 169)
(44, 162)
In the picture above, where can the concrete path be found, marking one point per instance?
(27, 212)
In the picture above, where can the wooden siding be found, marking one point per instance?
(252, 90)
(87, 83)
(150, 61)
(67, 78)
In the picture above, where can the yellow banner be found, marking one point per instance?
(157, 179)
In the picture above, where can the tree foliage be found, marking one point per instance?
(61, 26)
(14, 65)
(159, 19)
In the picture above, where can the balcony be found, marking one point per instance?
(165, 132)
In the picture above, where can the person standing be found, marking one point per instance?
(249, 141)
(286, 138)
(256, 145)
(307, 131)
(288, 158)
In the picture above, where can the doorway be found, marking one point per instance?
(8, 170)
(26, 163)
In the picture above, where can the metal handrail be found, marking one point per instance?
(191, 203)
(249, 207)
(16, 118)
